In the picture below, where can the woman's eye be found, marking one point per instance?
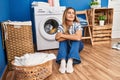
(70, 12)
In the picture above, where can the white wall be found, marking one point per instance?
(116, 18)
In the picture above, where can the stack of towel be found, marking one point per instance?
(83, 22)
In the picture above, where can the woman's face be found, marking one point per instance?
(70, 16)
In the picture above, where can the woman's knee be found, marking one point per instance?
(81, 46)
(62, 43)
(75, 43)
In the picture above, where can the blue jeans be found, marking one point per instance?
(70, 49)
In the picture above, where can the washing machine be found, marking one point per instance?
(47, 19)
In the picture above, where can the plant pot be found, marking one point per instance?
(95, 6)
(101, 22)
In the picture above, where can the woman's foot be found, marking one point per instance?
(62, 68)
(70, 66)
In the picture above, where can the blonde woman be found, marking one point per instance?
(69, 36)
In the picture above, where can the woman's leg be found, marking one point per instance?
(62, 67)
(73, 56)
(61, 57)
(69, 68)
(62, 52)
(74, 51)
(81, 46)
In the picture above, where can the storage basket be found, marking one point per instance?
(37, 72)
(18, 39)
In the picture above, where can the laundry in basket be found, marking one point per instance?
(37, 66)
(33, 59)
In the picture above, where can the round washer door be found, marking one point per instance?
(48, 27)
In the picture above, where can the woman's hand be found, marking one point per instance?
(59, 35)
(77, 36)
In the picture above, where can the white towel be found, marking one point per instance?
(33, 59)
(56, 3)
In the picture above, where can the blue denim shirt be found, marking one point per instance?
(72, 30)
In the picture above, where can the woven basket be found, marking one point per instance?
(18, 40)
(38, 72)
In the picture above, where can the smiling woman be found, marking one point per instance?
(69, 36)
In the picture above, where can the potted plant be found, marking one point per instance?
(102, 19)
(94, 4)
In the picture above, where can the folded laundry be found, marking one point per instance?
(37, 3)
(83, 22)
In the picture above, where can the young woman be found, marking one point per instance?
(69, 36)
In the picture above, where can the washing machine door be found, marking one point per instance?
(48, 27)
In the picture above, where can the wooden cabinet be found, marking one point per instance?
(100, 34)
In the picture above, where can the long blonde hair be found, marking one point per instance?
(64, 18)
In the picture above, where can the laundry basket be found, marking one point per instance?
(37, 72)
(18, 39)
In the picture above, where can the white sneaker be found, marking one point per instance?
(118, 46)
(114, 46)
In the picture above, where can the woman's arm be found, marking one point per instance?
(77, 36)
(58, 37)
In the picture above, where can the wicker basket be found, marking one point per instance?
(38, 72)
(18, 39)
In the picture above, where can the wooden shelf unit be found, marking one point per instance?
(100, 34)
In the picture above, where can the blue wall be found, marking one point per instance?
(4, 15)
(104, 3)
(20, 10)
(4, 10)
